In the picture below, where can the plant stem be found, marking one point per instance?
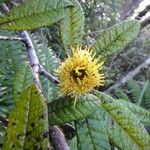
(54, 132)
(47, 75)
(34, 62)
(10, 38)
(129, 76)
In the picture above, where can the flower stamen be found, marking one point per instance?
(80, 72)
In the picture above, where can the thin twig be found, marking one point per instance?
(34, 62)
(10, 38)
(5, 8)
(57, 136)
(55, 131)
(129, 76)
(47, 75)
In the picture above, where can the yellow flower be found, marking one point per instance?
(80, 72)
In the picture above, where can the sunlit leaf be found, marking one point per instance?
(142, 114)
(28, 123)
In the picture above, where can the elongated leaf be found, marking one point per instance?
(12, 63)
(63, 110)
(117, 37)
(142, 114)
(135, 90)
(2, 133)
(121, 95)
(145, 86)
(72, 26)
(33, 14)
(126, 125)
(21, 80)
(92, 133)
(14, 75)
(28, 124)
(121, 139)
(117, 136)
(146, 98)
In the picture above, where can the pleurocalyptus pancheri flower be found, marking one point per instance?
(80, 72)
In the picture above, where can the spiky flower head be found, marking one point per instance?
(80, 72)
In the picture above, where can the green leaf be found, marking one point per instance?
(121, 95)
(3, 111)
(28, 123)
(145, 86)
(63, 110)
(73, 143)
(92, 133)
(146, 98)
(33, 14)
(126, 129)
(72, 26)
(21, 80)
(117, 37)
(15, 75)
(142, 114)
(135, 90)
(2, 132)
(121, 139)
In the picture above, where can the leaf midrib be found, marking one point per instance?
(108, 112)
(121, 126)
(31, 15)
(28, 110)
(115, 39)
